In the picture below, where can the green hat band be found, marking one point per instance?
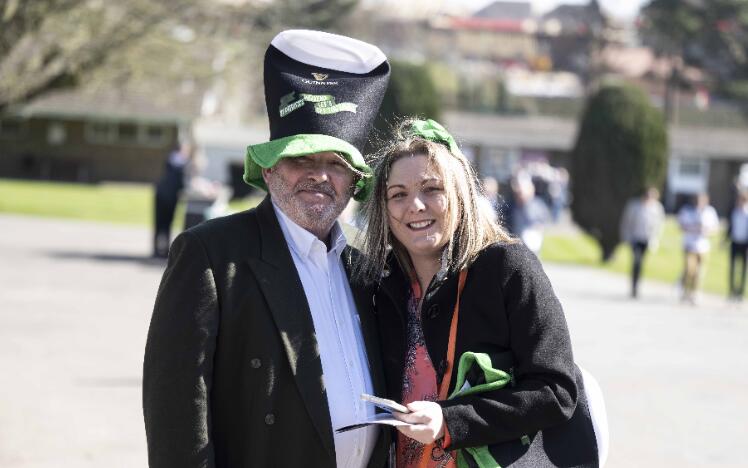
(433, 131)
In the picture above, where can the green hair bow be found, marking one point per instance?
(433, 131)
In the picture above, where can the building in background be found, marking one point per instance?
(76, 137)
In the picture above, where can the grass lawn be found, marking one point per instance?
(133, 204)
(108, 202)
(665, 264)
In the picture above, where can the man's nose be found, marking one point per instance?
(319, 172)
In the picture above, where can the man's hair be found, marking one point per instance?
(471, 221)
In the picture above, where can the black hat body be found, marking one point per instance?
(322, 93)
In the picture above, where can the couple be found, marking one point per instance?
(260, 347)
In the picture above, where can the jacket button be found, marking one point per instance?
(270, 419)
(255, 363)
(433, 311)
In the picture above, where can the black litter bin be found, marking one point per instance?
(196, 211)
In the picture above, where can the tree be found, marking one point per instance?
(621, 149)
(411, 93)
(46, 45)
(712, 35)
(49, 44)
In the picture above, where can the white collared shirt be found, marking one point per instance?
(337, 327)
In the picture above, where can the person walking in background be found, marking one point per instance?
(641, 225)
(526, 213)
(259, 347)
(168, 189)
(491, 195)
(558, 190)
(737, 234)
(698, 220)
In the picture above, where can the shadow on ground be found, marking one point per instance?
(109, 258)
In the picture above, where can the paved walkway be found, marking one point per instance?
(75, 301)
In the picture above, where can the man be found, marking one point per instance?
(641, 225)
(168, 187)
(737, 235)
(258, 349)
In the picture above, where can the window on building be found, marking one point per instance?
(101, 132)
(11, 127)
(127, 133)
(690, 168)
(155, 135)
(56, 133)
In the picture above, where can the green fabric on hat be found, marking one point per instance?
(433, 131)
(267, 155)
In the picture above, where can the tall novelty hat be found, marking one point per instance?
(322, 93)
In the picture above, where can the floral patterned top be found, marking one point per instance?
(419, 384)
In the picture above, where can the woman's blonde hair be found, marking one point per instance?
(471, 221)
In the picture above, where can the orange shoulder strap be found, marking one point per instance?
(444, 387)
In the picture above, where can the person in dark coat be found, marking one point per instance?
(436, 259)
(737, 235)
(258, 347)
(168, 188)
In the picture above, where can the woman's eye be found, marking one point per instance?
(397, 195)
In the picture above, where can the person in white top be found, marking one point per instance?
(641, 225)
(737, 234)
(259, 348)
(698, 221)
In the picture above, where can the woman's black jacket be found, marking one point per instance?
(507, 307)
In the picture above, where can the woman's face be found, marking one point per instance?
(417, 206)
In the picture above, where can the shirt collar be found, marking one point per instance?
(302, 241)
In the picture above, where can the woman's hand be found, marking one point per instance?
(426, 419)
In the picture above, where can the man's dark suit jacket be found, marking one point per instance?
(232, 375)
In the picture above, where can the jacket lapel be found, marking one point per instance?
(285, 296)
(363, 297)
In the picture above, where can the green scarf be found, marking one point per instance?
(495, 379)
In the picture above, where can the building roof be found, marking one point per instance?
(576, 19)
(517, 11)
(559, 134)
(107, 105)
(488, 24)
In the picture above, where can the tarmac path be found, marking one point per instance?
(76, 299)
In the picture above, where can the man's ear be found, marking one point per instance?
(265, 173)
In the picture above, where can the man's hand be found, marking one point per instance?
(426, 419)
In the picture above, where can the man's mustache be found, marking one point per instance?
(322, 187)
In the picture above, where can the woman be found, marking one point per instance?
(698, 221)
(450, 281)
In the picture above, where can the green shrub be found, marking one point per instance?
(620, 150)
(411, 92)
